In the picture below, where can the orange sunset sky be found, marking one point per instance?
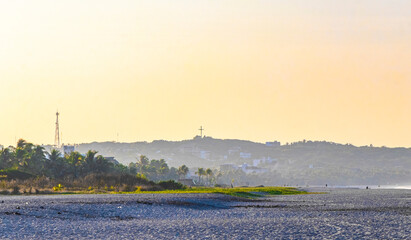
(257, 70)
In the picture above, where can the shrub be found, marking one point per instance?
(15, 174)
(127, 188)
(171, 185)
(4, 192)
(115, 180)
(151, 188)
(142, 176)
(41, 182)
(59, 187)
(16, 190)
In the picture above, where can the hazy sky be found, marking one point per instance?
(257, 70)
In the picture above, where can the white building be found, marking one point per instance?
(228, 167)
(233, 150)
(205, 154)
(252, 169)
(245, 155)
(263, 160)
(67, 149)
(273, 144)
(256, 162)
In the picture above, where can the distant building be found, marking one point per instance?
(205, 154)
(112, 160)
(188, 182)
(234, 150)
(252, 169)
(256, 162)
(245, 155)
(263, 160)
(68, 149)
(269, 160)
(228, 167)
(273, 144)
(257, 170)
(191, 173)
(186, 149)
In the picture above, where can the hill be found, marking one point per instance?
(305, 162)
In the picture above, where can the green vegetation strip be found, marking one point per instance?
(247, 192)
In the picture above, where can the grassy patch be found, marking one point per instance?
(247, 192)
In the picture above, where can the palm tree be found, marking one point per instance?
(55, 162)
(37, 160)
(143, 163)
(132, 168)
(74, 160)
(89, 162)
(162, 169)
(182, 171)
(101, 164)
(6, 158)
(54, 155)
(23, 153)
(21, 143)
(200, 173)
(218, 175)
(209, 173)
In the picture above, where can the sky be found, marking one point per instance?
(258, 70)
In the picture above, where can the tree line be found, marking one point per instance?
(36, 161)
(29, 161)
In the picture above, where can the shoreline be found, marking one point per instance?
(245, 192)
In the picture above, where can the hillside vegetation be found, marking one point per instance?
(29, 168)
(304, 162)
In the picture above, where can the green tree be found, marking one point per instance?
(102, 165)
(21, 143)
(37, 160)
(143, 163)
(22, 153)
(182, 171)
(74, 161)
(132, 168)
(6, 158)
(89, 163)
(218, 175)
(209, 174)
(57, 165)
(200, 172)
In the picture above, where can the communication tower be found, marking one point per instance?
(57, 134)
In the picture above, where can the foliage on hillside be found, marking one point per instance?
(303, 162)
(155, 170)
(29, 165)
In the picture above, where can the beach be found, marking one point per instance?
(339, 213)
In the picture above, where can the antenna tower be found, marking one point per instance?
(57, 134)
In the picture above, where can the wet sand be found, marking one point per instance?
(341, 213)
